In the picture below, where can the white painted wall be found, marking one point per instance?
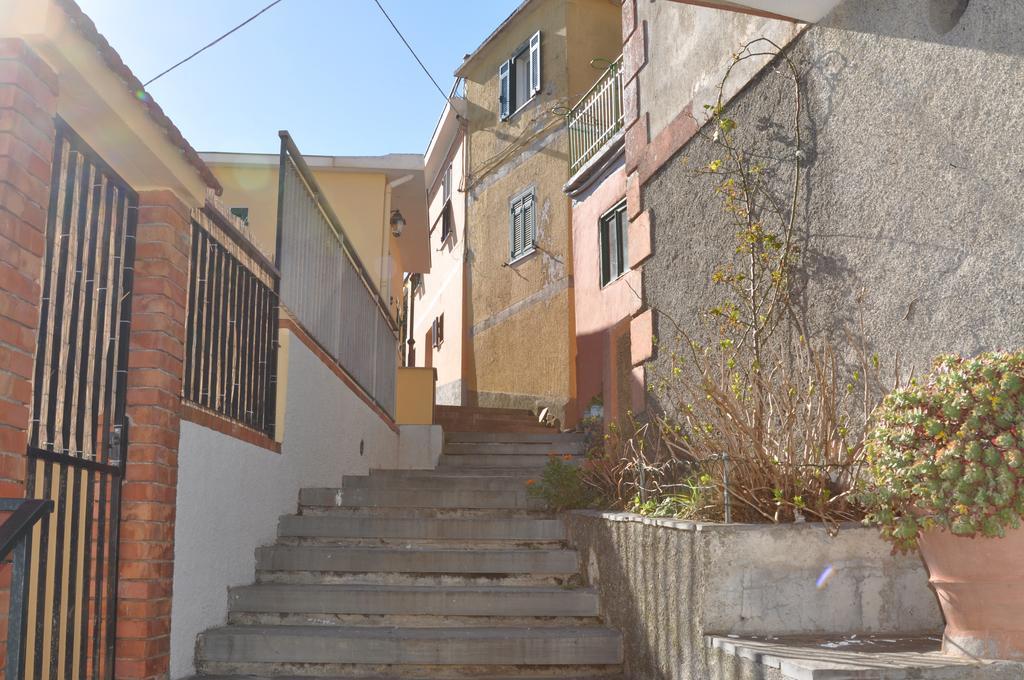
(231, 493)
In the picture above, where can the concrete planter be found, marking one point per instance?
(667, 584)
(980, 584)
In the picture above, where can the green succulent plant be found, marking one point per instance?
(947, 452)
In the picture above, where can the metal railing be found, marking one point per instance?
(596, 117)
(325, 286)
(231, 340)
(15, 540)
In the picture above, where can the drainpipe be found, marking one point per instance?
(410, 360)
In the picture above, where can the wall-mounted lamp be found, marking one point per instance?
(397, 223)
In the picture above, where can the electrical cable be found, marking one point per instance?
(411, 50)
(208, 46)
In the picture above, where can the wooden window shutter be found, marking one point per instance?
(517, 228)
(529, 222)
(505, 90)
(535, 63)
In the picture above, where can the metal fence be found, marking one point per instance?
(325, 286)
(231, 340)
(77, 441)
(596, 118)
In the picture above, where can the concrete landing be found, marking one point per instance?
(851, 657)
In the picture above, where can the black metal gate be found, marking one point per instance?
(78, 436)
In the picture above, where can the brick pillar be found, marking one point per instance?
(154, 406)
(28, 102)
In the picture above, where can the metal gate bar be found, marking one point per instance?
(78, 430)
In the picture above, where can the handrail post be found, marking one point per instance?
(17, 620)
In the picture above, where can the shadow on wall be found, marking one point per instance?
(974, 24)
(911, 191)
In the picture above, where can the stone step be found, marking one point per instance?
(432, 560)
(424, 513)
(418, 498)
(523, 461)
(385, 578)
(413, 601)
(534, 448)
(444, 409)
(432, 673)
(551, 437)
(438, 480)
(333, 526)
(280, 646)
(463, 471)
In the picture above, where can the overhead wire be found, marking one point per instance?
(411, 50)
(208, 45)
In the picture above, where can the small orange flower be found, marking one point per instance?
(531, 482)
(567, 456)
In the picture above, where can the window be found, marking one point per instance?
(614, 244)
(437, 331)
(447, 222)
(522, 224)
(519, 77)
(447, 216)
(242, 214)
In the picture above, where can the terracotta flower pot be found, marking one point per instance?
(980, 584)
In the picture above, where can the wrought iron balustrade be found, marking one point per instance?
(596, 118)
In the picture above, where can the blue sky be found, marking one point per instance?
(332, 72)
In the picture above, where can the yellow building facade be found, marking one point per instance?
(363, 191)
(519, 280)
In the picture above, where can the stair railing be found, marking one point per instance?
(15, 536)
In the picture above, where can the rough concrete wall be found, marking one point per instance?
(911, 191)
(688, 47)
(666, 584)
(231, 493)
(767, 583)
(724, 666)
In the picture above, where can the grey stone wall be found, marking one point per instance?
(913, 188)
(666, 584)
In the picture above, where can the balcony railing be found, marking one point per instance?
(596, 118)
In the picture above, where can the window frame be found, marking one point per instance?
(508, 107)
(437, 332)
(613, 219)
(519, 197)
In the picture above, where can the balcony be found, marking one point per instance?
(596, 118)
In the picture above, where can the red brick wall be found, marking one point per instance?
(28, 100)
(154, 406)
(28, 103)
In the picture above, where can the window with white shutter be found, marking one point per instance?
(504, 86)
(522, 224)
(519, 77)
(535, 64)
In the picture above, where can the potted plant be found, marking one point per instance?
(946, 457)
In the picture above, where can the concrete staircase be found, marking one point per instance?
(445, 574)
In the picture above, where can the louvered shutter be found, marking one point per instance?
(529, 222)
(535, 63)
(516, 237)
(504, 96)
